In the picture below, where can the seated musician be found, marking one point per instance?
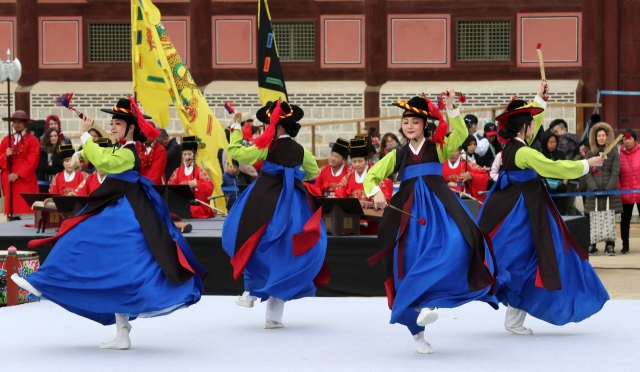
(329, 176)
(351, 185)
(464, 176)
(95, 179)
(66, 182)
(153, 160)
(190, 174)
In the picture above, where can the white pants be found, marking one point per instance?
(514, 317)
(275, 308)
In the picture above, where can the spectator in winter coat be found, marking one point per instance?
(567, 142)
(604, 178)
(629, 180)
(491, 134)
(472, 125)
(50, 162)
(53, 121)
(556, 186)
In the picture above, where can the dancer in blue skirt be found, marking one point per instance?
(121, 257)
(274, 234)
(541, 269)
(440, 258)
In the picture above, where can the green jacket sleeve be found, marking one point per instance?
(309, 165)
(106, 160)
(455, 139)
(379, 172)
(538, 119)
(246, 155)
(527, 157)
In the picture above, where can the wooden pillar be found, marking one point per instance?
(610, 62)
(592, 53)
(372, 107)
(201, 38)
(376, 57)
(26, 50)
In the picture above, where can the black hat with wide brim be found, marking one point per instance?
(122, 109)
(417, 107)
(291, 114)
(517, 107)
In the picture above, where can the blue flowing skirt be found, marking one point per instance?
(436, 261)
(104, 266)
(582, 293)
(273, 270)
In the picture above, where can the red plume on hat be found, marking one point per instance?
(265, 138)
(443, 126)
(146, 128)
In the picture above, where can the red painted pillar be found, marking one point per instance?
(592, 52)
(27, 40)
(610, 61)
(12, 264)
(376, 56)
(26, 50)
(201, 39)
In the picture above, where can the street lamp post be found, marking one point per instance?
(10, 71)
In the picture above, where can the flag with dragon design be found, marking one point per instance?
(161, 79)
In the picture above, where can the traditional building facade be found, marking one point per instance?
(342, 59)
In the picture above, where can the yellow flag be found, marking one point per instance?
(160, 78)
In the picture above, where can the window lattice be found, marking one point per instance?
(109, 42)
(484, 40)
(295, 41)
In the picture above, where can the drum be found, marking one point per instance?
(28, 262)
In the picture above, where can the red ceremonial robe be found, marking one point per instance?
(349, 187)
(24, 161)
(325, 182)
(478, 182)
(152, 165)
(201, 192)
(59, 186)
(90, 184)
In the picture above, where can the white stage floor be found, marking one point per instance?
(321, 334)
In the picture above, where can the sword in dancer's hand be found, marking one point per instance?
(611, 147)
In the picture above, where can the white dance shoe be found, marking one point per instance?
(122, 341)
(427, 316)
(246, 300)
(523, 331)
(272, 324)
(422, 345)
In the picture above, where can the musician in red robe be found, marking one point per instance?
(190, 174)
(331, 175)
(351, 185)
(153, 160)
(66, 182)
(464, 176)
(24, 150)
(95, 179)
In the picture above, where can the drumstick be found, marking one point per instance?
(214, 208)
(542, 73)
(420, 220)
(467, 195)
